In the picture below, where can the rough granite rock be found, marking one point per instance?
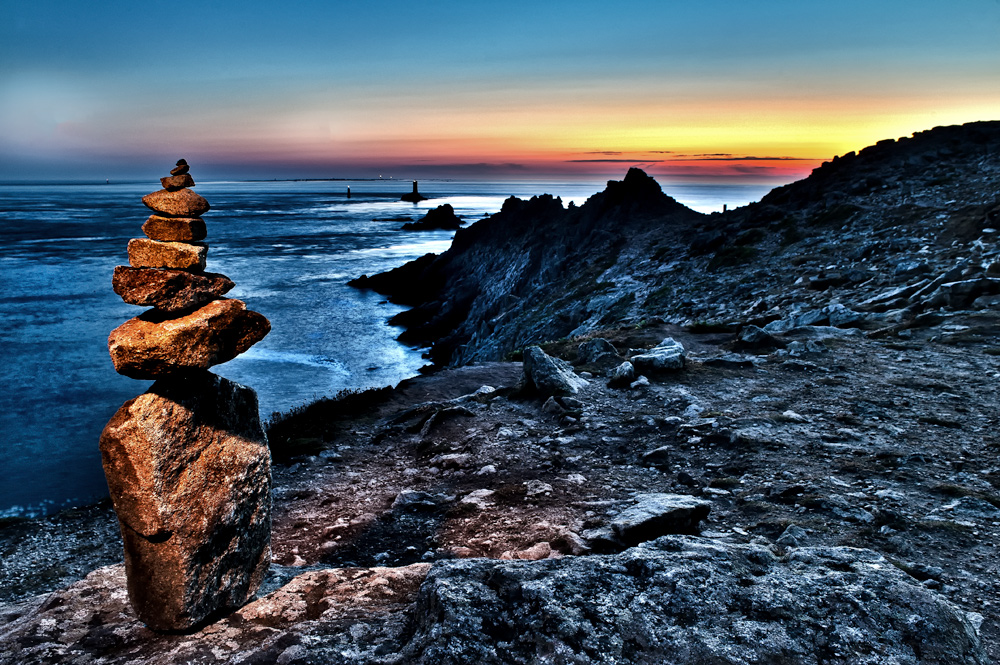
(667, 355)
(168, 290)
(175, 229)
(145, 253)
(182, 203)
(655, 515)
(550, 376)
(154, 345)
(680, 599)
(176, 182)
(689, 601)
(188, 468)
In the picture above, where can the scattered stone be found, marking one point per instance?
(622, 375)
(667, 355)
(658, 457)
(536, 552)
(182, 203)
(175, 229)
(536, 487)
(548, 375)
(657, 515)
(188, 468)
(792, 536)
(553, 407)
(590, 351)
(168, 290)
(730, 361)
(641, 382)
(753, 337)
(144, 253)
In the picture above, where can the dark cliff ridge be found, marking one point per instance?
(514, 261)
(538, 271)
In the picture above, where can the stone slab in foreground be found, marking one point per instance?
(681, 600)
(188, 468)
(154, 345)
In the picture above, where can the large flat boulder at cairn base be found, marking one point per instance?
(182, 203)
(175, 229)
(188, 468)
(548, 375)
(153, 345)
(168, 290)
(145, 253)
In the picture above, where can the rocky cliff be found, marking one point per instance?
(539, 271)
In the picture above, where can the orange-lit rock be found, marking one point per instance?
(188, 468)
(154, 345)
(182, 203)
(145, 253)
(175, 229)
(168, 290)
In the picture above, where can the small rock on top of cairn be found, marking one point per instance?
(181, 168)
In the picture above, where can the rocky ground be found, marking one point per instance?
(835, 411)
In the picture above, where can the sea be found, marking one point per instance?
(290, 246)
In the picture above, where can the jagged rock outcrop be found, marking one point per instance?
(187, 463)
(441, 218)
(537, 271)
(550, 376)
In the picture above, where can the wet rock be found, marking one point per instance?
(144, 253)
(176, 182)
(188, 468)
(687, 600)
(441, 218)
(175, 229)
(667, 355)
(548, 375)
(153, 345)
(657, 515)
(182, 203)
(168, 290)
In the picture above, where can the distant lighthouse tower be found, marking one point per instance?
(414, 196)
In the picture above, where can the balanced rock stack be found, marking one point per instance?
(187, 461)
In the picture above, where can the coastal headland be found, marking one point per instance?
(761, 435)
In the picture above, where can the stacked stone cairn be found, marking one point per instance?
(187, 462)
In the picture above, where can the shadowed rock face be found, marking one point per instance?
(168, 290)
(189, 473)
(153, 345)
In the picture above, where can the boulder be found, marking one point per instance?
(593, 349)
(687, 601)
(622, 375)
(441, 218)
(754, 337)
(548, 375)
(176, 182)
(154, 345)
(182, 203)
(175, 229)
(188, 469)
(667, 355)
(168, 290)
(145, 253)
(656, 515)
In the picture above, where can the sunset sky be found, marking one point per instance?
(745, 90)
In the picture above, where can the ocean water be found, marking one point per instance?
(289, 246)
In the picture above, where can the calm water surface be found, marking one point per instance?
(289, 246)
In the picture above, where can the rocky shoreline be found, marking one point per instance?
(827, 394)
